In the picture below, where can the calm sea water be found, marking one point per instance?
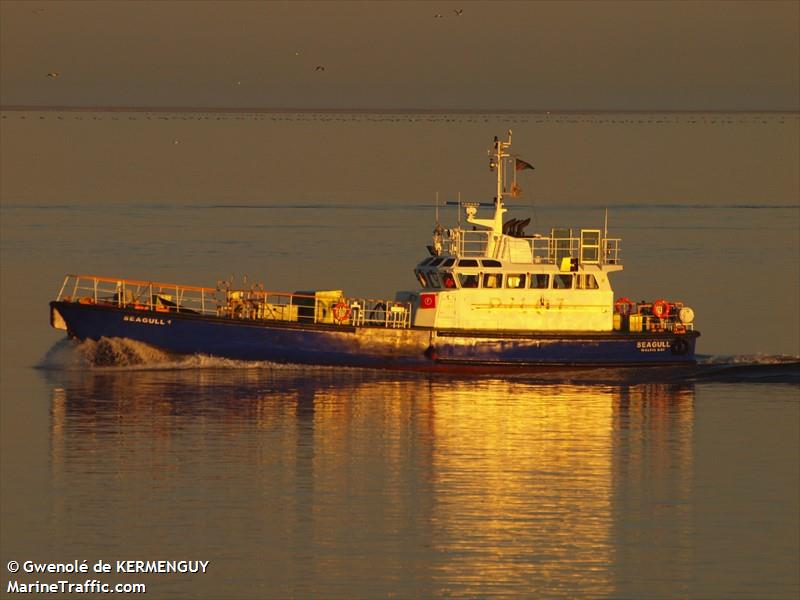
(311, 482)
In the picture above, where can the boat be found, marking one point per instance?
(490, 298)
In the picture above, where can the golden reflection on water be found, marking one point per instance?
(524, 474)
(346, 482)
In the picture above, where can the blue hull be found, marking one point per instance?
(376, 347)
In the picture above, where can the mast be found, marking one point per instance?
(498, 155)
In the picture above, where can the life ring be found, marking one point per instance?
(680, 346)
(341, 312)
(661, 309)
(623, 306)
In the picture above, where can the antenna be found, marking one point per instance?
(437, 208)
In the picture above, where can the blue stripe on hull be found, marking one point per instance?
(416, 349)
(605, 349)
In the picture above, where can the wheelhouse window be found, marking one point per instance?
(540, 281)
(433, 278)
(436, 262)
(468, 281)
(423, 281)
(491, 263)
(587, 281)
(467, 262)
(448, 281)
(492, 280)
(449, 262)
(562, 281)
(425, 261)
(515, 280)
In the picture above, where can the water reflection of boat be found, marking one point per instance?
(490, 299)
(485, 486)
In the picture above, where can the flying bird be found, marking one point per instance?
(53, 74)
(437, 16)
(458, 11)
(319, 68)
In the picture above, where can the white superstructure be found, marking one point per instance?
(495, 277)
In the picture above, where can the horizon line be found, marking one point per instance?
(353, 110)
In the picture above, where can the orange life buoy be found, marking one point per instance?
(661, 309)
(623, 306)
(341, 312)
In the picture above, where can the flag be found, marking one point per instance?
(521, 165)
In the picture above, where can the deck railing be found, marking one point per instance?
(544, 250)
(248, 305)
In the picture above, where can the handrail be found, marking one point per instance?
(243, 304)
(544, 250)
(192, 288)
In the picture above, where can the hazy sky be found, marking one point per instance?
(724, 55)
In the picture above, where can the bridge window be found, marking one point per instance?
(467, 262)
(425, 261)
(491, 263)
(562, 282)
(449, 262)
(448, 281)
(515, 280)
(436, 262)
(540, 281)
(587, 281)
(468, 281)
(423, 281)
(492, 280)
(433, 278)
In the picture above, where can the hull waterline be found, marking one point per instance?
(416, 349)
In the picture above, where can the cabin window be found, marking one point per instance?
(467, 262)
(436, 262)
(449, 262)
(492, 280)
(423, 281)
(491, 263)
(468, 281)
(562, 281)
(448, 281)
(433, 278)
(515, 280)
(425, 261)
(540, 281)
(587, 281)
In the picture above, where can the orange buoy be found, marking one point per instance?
(661, 309)
(341, 312)
(623, 306)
